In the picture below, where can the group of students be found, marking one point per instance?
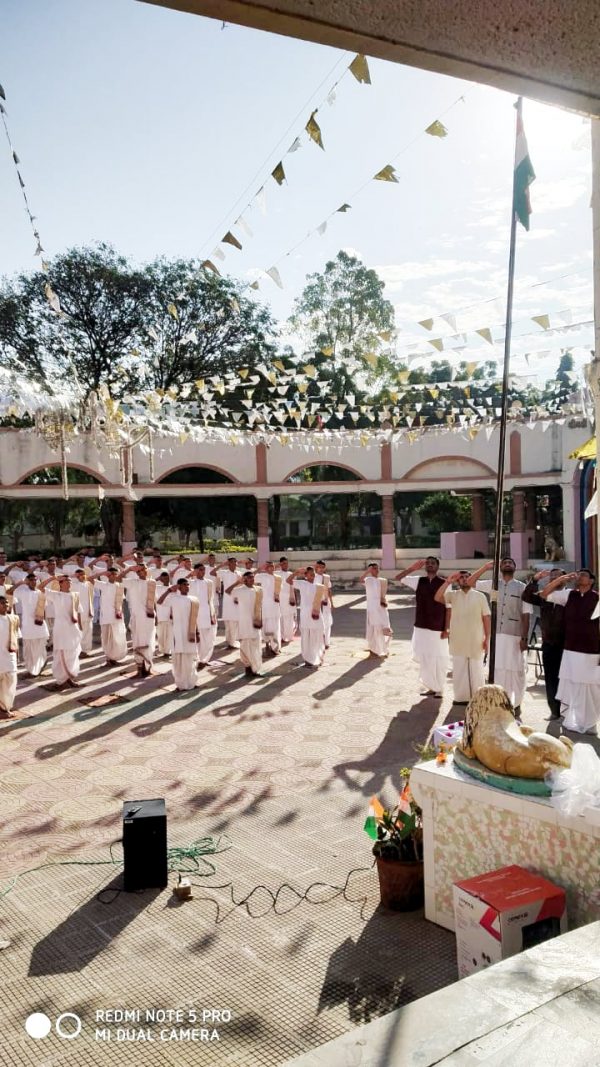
(455, 622)
(170, 607)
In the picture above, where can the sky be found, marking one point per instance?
(153, 130)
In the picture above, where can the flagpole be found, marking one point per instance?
(503, 415)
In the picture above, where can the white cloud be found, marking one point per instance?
(557, 195)
(396, 274)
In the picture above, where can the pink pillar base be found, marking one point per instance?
(128, 546)
(519, 549)
(388, 551)
(263, 549)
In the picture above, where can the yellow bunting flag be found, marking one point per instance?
(344, 208)
(199, 383)
(427, 324)
(360, 69)
(314, 131)
(172, 309)
(52, 298)
(243, 372)
(229, 239)
(542, 320)
(277, 363)
(275, 276)
(437, 343)
(470, 368)
(327, 350)
(310, 370)
(209, 265)
(403, 376)
(386, 174)
(434, 393)
(371, 359)
(486, 333)
(278, 174)
(254, 285)
(386, 335)
(437, 129)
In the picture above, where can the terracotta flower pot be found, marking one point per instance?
(401, 884)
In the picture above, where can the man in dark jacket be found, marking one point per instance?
(553, 635)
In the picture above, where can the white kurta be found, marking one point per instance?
(185, 652)
(229, 609)
(204, 591)
(86, 615)
(112, 630)
(271, 612)
(288, 610)
(429, 650)
(324, 579)
(250, 636)
(467, 635)
(510, 668)
(578, 683)
(141, 625)
(379, 630)
(164, 624)
(8, 667)
(66, 638)
(312, 631)
(34, 636)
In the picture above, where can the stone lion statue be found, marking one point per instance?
(553, 550)
(492, 736)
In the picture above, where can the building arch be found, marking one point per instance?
(217, 476)
(436, 469)
(331, 468)
(92, 476)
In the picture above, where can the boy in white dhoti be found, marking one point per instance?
(430, 636)
(512, 628)
(85, 592)
(469, 630)
(248, 599)
(112, 625)
(203, 589)
(312, 631)
(164, 623)
(379, 631)
(140, 592)
(67, 632)
(9, 644)
(184, 614)
(30, 604)
(287, 605)
(579, 675)
(271, 585)
(322, 578)
(226, 576)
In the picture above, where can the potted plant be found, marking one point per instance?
(398, 852)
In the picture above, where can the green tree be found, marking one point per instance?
(443, 511)
(343, 309)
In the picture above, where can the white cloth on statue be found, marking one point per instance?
(112, 630)
(250, 635)
(26, 602)
(141, 625)
(468, 675)
(8, 667)
(325, 579)
(185, 654)
(203, 590)
(312, 632)
(66, 638)
(271, 614)
(429, 650)
(379, 631)
(87, 617)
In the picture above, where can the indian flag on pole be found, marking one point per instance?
(524, 173)
(376, 810)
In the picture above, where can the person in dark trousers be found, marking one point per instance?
(552, 619)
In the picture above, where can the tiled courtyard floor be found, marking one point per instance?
(284, 766)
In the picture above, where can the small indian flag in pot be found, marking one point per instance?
(376, 810)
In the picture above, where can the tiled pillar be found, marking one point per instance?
(262, 530)
(128, 538)
(478, 512)
(518, 511)
(388, 534)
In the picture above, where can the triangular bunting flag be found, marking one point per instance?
(360, 69)
(275, 276)
(278, 174)
(209, 265)
(344, 208)
(437, 129)
(542, 320)
(229, 239)
(437, 343)
(314, 131)
(427, 324)
(486, 333)
(386, 174)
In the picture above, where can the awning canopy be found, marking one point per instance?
(586, 451)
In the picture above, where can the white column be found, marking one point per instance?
(570, 511)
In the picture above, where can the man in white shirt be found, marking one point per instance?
(183, 570)
(379, 631)
(323, 578)
(312, 632)
(164, 622)
(287, 605)
(112, 626)
(140, 591)
(30, 604)
(203, 589)
(9, 644)
(85, 591)
(248, 599)
(67, 632)
(226, 576)
(74, 564)
(271, 585)
(184, 614)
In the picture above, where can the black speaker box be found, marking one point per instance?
(144, 844)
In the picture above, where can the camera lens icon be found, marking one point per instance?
(67, 1026)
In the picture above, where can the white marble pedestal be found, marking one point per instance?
(470, 828)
